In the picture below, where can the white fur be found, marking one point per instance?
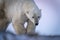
(18, 11)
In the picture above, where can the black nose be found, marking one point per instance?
(36, 23)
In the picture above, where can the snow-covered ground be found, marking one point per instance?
(50, 20)
(10, 36)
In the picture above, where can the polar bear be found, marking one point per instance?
(18, 12)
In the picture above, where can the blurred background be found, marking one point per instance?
(49, 23)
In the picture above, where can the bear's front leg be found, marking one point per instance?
(31, 28)
(19, 27)
(18, 24)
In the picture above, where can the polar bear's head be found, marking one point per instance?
(32, 12)
(34, 16)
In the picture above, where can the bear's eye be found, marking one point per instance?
(38, 16)
(33, 17)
